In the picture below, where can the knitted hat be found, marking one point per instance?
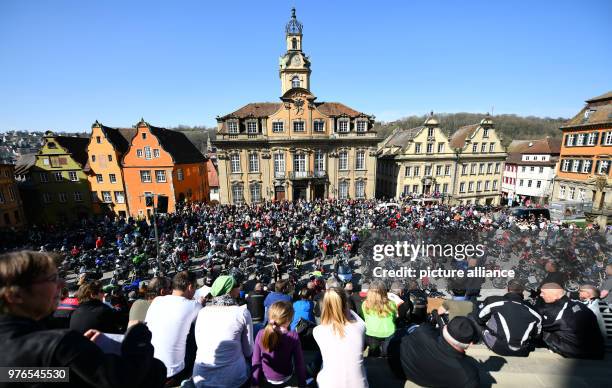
(461, 331)
(223, 285)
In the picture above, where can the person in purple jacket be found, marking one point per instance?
(277, 355)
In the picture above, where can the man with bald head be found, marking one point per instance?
(589, 295)
(569, 327)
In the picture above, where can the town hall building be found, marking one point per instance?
(297, 148)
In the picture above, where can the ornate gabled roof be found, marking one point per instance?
(458, 138)
(120, 138)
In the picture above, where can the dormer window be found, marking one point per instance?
(343, 126)
(251, 127)
(361, 126)
(430, 132)
(232, 127)
(485, 132)
(295, 82)
(51, 145)
(144, 136)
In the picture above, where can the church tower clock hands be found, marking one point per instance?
(294, 65)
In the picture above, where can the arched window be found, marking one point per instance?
(294, 44)
(295, 82)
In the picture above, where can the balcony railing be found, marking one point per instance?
(307, 174)
(240, 136)
(279, 174)
(353, 133)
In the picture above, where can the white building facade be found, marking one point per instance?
(530, 171)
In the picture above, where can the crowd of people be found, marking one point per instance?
(218, 329)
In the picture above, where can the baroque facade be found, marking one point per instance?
(297, 148)
(464, 168)
(415, 162)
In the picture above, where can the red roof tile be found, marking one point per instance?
(255, 109)
(213, 177)
(457, 139)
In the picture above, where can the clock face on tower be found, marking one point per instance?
(296, 61)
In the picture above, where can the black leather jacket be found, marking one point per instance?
(571, 329)
(26, 343)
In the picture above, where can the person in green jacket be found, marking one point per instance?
(379, 313)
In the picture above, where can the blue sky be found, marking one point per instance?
(64, 64)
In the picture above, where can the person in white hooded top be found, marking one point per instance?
(340, 337)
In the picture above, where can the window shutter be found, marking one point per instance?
(575, 140)
(603, 138)
(608, 168)
(580, 162)
(567, 142)
(596, 137)
(597, 167)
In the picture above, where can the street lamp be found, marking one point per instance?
(150, 202)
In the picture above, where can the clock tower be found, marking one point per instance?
(294, 65)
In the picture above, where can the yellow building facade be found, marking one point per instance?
(416, 162)
(105, 149)
(480, 164)
(465, 168)
(297, 148)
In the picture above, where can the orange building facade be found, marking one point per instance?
(584, 173)
(11, 206)
(105, 150)
(162, 162)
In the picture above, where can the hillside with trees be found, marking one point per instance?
(198, 135)
(510, 127)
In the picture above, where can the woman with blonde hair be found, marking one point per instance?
(379, 313)
(340, 337)
(277, 354)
